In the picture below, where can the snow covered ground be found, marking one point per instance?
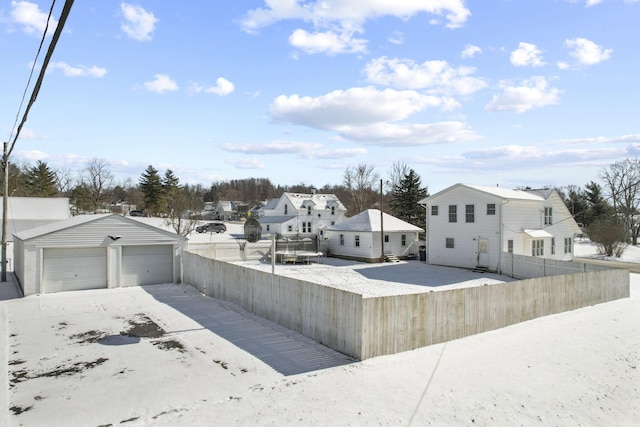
(166, 355)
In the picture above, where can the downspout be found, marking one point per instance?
(501, 237)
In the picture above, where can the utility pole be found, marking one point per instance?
(5, 201)
(381, 227)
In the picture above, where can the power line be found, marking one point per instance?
(36, 89)
(33, 67)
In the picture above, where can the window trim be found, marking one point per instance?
(453, 213)
(449, 243)
(469, 213)
(491, 208)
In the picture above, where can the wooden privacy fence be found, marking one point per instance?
(364, 327)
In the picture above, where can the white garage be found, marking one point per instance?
(93, 252)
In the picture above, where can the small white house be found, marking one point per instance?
(301, 214)
(95, 251)
(470, 226)
(360, 237)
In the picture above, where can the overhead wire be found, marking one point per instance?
(36, 88)
(33, 67)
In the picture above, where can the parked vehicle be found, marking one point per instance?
(136, 213)
(212, 227)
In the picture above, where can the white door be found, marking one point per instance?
(72, 269)
(147, 265)
(483, 252)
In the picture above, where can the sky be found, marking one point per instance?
(493, 92)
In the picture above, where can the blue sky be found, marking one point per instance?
(491, 92)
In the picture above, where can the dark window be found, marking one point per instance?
(491, 209)
(510, 246)
(357, 241)
(286, 209)
(434, 210)
(308, 210)
(449, 243)
(568, 242)
(386, 238)
(548, 216)
(470, 213)
(537, 247)
(342, 240)
(453, 213)
(403, 240)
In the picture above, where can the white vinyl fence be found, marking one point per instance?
(364, 327)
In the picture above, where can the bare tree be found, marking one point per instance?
(622, 180)
(64, 181)
(360, 182)
(396, 174)
(97, 179)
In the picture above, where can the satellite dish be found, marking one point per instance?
(252, 230)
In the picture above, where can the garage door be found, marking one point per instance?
(147, 265)
(72, 269)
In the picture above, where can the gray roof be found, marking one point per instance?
(322, 201)
(276, 219)
(369, 220)
(75, 221)
(502, 193)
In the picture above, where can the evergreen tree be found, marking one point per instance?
(405, 197)
(153, 191)
(598, 208)
(172, 190)
(40, 180)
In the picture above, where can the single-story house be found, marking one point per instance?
(95, 251)
(471, 225)
(359, 237)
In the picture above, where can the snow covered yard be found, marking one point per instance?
(165, 355)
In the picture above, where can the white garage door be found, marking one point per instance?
(147, 265)
(72, 269)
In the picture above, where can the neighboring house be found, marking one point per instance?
(24, 213)
(226, 210)
(359, 237)
(301, 215)
(470, 226)
(95, 251)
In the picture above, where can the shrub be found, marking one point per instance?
(610, 237)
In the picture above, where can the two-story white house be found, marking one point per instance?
(470, 226)
(301, 215)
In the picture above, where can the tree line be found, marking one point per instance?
(613, 204)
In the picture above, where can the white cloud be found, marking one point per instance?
(274, 147)
(532, 93)
(593, 2)
(162, 83)
(397, 37)
(223, 87)
(338, 153)
(328, 42)
(79, 70)
(470, 51)
(31, 18)
(401, 134)
(139, 24)
(586, 51)
(247, 164)
(434, 76)
(563, 65)
(330, 12)
(527, 54)
(351, 107)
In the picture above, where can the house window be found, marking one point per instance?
(268, 227)
(537, 247)
(357, 241)
(568, 242)
(386, 238)
(308, 210)
(470, 213)
(453, 213)
(286, 209)
(449, 243)
(548, 216)
(491, 208)
(309, 227)
(342, 240)
(434, 210)
(333, 223)
(403, 240)
(289, 228)
(333, 210)
(553, 246)
(306, 227)
(510, 246)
